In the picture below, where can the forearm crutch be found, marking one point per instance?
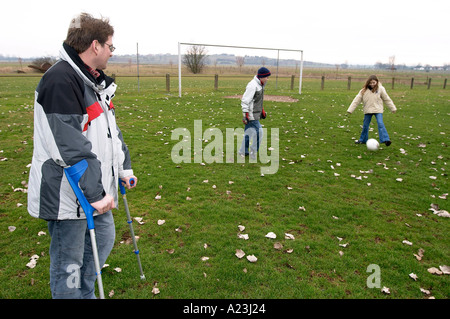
(73, 175)
(129, 221)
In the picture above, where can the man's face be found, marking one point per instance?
(104, 54)
(264, 80)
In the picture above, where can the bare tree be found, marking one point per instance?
(195, 58)
(392, 63)
(240, 60)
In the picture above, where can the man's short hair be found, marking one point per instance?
(84, 29)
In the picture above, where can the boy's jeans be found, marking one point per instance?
(382, 132)
(72, 269)
(254, 132)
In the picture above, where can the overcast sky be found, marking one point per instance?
(328, 31)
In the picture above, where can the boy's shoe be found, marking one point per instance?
(358, 142)
(388, 143)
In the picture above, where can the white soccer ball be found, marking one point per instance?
(372, 144)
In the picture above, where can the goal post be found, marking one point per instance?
(239, 47)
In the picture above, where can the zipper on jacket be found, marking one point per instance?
(78, 209)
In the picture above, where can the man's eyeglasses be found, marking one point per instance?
(111, 47)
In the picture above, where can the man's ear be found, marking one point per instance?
(95, 46)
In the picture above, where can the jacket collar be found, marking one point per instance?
(258, 81)
(68, 54)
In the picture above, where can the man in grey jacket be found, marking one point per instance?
(74, 120)
(252, 112)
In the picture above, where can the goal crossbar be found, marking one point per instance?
(239, 47)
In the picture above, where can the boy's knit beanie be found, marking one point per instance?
(263, 72)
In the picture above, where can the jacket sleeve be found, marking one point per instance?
(356, 101)
(247, 99)
(62, 102)
(387, 100)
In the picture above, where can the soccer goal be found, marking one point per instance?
(240, 47)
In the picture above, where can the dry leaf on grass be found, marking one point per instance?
(413, 276)
(239, 253)
(434, 271)
(252, 258)
(278, 246)
(419, 255)
(155, 291)
(426, 292)
(271, 235)
(445, 269)
(289, 236)
(33, 261)
(243, 236)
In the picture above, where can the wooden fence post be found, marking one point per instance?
(167, 82)
(445, 83)
(412, 83)
(349, 82)
(323, 82)
(393, 81)
(429, 83)
(216, 81)
(292, 81)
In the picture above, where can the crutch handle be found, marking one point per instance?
(122, 187)
(73, 174)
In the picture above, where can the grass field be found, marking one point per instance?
(344, 205)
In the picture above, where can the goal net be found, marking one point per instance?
(292, 54)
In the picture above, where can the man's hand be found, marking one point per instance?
(104, 205)
(263, 114)
(245, 118)
(130, 181)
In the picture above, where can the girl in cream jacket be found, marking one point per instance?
(373, 95)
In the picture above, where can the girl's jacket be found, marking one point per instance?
(74, 119)
(372, 102)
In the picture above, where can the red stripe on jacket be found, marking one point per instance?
(93, 112)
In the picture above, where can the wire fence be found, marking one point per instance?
(168, 83)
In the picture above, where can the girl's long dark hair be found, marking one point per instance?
(366, 86)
